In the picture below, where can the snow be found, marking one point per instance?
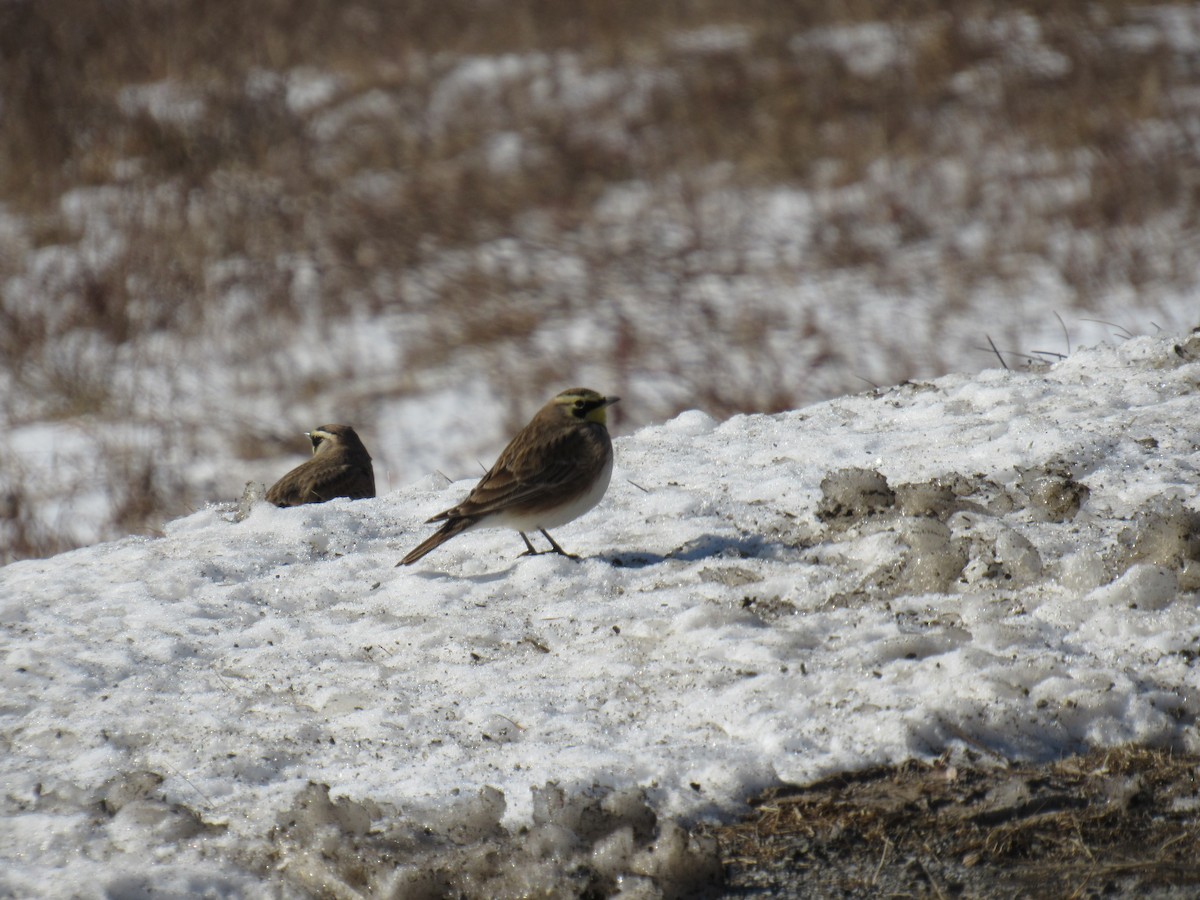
(166, 101)
(1004, 560)
(868, 50)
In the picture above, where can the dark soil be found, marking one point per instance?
(1118, 823)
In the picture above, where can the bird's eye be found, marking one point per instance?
(579, 404)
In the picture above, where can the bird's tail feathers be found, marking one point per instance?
(450, 529)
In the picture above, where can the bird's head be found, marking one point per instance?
(328, 437)
(581, 403)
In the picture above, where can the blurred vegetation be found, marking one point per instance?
(241, 177)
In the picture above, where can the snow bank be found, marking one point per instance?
(1007, 561)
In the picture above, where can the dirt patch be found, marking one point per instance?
(1111, 823)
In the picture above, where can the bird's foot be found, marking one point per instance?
(554, 544)
(554, 548)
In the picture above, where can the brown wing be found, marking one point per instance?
(319, 480)
(522, 478)
(351, 480)
(291, 489)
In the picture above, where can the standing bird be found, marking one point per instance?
(340, 467)
(555, 469)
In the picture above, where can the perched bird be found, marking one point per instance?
(340, 467)
(555, 469)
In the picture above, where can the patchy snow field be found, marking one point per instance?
(408, 221)
(1006, 560)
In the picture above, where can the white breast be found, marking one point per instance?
(552, 518)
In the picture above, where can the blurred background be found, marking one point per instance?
(224, 223)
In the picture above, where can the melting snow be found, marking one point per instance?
(1007, 560)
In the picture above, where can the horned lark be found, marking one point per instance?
(555, 469)
(340, 467)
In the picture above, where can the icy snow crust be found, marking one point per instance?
(1003, 560)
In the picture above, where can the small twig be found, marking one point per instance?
(1025, 356)
(1121, 330)
(535, 643)
(638, 486)
(1066, 334)
(1078, 892)
(1174, 840)
(937, 888)
(972, 742)
(203, 796)
(221, 678)
(1079, 839)
(887, 849)
(992, 344)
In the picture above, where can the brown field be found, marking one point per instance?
(196, 188)
(1120, 822)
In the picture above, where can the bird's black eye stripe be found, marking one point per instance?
(583, 407)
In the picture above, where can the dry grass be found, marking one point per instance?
(1117, 822)
(284, 166)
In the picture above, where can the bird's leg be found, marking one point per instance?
(553, 543)
(530, 551)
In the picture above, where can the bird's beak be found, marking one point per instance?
(609, 401)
